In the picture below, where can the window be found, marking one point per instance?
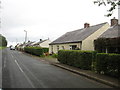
(52, 48)
(70, 47)
(73, 47)
(63, 47)
(57, 48)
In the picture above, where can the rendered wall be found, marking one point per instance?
(88, 43)
(66, 47)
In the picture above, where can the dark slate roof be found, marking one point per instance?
(40, 42)
(77, 35)
(29, 43)
(112, 32)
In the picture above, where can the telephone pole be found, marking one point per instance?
(25, 35)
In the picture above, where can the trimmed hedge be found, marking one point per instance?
(36, 50)
(109, 64)
(102, 63)
(110, 43)
(45, 50)
(54, 55)
(77, 58)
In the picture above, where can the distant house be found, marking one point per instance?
(29, 44)
(20, 47)
(82, 39)
(110, 39)
(42, 43)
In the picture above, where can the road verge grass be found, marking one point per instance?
(49, 58)
(2, 48)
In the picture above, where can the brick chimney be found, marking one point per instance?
(114, 21)
(86, 25)
(40, 39)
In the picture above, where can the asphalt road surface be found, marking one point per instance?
(23, 71)
(0, 68)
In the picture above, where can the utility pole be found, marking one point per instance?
(119, 14)
(16, 41)
(25, 35)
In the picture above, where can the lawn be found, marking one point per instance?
(1, 48)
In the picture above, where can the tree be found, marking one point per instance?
(3, 41)
(113, 3)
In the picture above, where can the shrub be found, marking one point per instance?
(62, 55)
(77, 58)
(45, 50)
(54, 55)
(108, 63)
(110, 43)
(34, 50)
(101, 62)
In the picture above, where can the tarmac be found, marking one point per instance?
(113, 82)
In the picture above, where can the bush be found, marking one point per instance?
(110, 43)
(34, 50)
(77, 58)
(109, 64)
(101, 62)
(45, 50)
(54, 55)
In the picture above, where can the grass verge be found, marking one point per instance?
(2, 48)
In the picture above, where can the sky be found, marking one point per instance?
(43, 19)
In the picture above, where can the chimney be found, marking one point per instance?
(86, 25)
(40, 39)
(114, 21)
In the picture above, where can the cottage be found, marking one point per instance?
(29, 44)
(110, 38)
(82, 39)
(42, 43)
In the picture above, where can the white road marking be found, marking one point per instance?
(12, 55)
(4, 65)
(18, 66)
(37, 80)
(24, 74)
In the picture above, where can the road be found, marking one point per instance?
(23, 71)
(0, 68)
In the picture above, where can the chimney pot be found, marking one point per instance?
(40, 39)
(86, 25)
(114, 21)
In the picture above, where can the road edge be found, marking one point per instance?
(88, 76)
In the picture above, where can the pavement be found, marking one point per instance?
(113, 82)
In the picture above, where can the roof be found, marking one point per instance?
(77, 35)
(40, 42)
(29, 43)
(112, 32)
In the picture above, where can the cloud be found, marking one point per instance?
(47, 18)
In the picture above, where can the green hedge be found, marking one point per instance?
(77, 58)
(109, 64)
(36, 50)
(54, 55)
(102, 63)
(45, 50)
(110, 43)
